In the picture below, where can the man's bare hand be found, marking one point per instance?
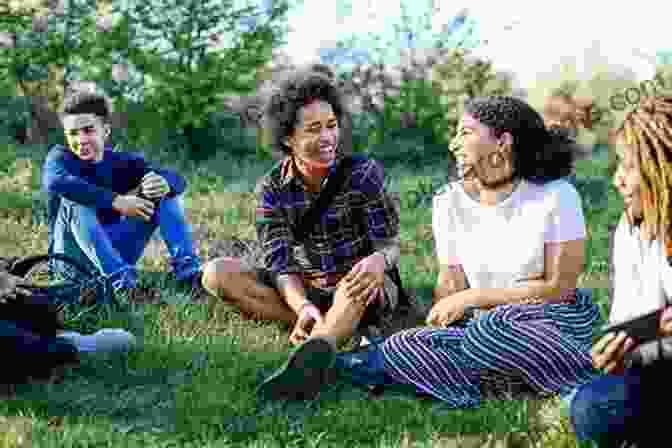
(12, 286)
(129, 205)
(154, 186)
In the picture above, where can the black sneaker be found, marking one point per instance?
(304, 374)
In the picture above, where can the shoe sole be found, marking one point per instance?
(304, 374)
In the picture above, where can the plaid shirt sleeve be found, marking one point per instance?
(273, 231)
(382, 215)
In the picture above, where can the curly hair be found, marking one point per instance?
(648, 131)
(300, 89)
(82, 102)
(540, 154)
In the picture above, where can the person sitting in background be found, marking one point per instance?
(112, 201)
(569, 114)
(348, 251)
(561, 111)
(623, 406)
(510, 242)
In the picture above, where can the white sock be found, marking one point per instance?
(105, 340)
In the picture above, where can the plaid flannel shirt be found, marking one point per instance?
(361, 219)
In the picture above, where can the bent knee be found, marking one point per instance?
(218, 272)
(591, 409)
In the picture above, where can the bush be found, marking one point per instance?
(222, 132)
(412, 148)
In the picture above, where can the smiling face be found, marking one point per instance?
(85, 134)
(316, 133)
(485, 156)
(627, 180)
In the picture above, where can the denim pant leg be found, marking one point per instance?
(607, 409)
(177, 235)
(92, 238)
(131, 235)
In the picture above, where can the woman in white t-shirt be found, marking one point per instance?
(622, 406)
(510, 242)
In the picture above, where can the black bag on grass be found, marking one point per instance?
(28, 329)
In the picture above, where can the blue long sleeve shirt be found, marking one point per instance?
(95, 184)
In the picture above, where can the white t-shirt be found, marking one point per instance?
(498, 245)
(642, 275)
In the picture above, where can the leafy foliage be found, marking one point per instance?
(409, 90)
(177, 45)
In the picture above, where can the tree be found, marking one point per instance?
(406, 95)
(46, 46)
(179, 47)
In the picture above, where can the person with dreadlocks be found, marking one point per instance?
(510, 242)
(621, 406)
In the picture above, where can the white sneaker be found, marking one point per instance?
(105, 340)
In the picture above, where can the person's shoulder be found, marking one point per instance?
(561, 185)
(358, 157)
(447, 194)
(360, 161)
(56, 151)
(58, 155)
(364, 171)
(447, 190)
(560, 190)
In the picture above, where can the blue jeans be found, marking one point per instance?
(621, 410)
(116, 248)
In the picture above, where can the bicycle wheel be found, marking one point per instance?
(61, 277)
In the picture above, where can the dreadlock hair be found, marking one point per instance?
(299, 89)
(540, 154)
(648, 131)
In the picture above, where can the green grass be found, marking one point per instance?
(193, 381)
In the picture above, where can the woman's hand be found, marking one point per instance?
(369, 272)
(446, 311)
(609, 352)
(309, 317)
(666, 322)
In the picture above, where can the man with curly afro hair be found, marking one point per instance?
(336, 279)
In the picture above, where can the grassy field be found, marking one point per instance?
(193, 381)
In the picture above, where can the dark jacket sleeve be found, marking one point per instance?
(56, 179)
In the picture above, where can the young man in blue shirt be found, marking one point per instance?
(112, 201)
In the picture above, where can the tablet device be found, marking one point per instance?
(643, 328)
